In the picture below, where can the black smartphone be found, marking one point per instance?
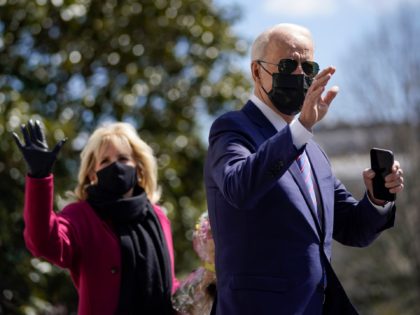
(381, 161)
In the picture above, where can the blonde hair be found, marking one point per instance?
(142, 153)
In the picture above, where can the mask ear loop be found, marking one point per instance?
(259, 62)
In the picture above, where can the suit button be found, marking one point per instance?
(114, 270)
(278, 166)
(275, 170)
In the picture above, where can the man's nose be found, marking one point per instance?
(299, 69)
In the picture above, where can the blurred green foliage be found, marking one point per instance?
(165, 66)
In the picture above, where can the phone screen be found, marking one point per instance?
(381, 163)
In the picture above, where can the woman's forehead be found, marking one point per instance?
(114, 143)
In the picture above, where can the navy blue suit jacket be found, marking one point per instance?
(271, 250)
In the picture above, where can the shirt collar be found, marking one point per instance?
(276, 120)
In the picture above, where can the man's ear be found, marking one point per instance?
(255, 71)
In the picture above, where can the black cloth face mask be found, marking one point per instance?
(288, 92)
(116, 179)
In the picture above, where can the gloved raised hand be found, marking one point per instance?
(35, 149)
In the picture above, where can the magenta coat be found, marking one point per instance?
(77, 239)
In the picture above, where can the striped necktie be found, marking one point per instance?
(305, 170)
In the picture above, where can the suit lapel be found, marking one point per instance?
(311, 215)
(316, 159)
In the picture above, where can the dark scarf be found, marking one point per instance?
(146, 279)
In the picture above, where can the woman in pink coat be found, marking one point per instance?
(115, 240)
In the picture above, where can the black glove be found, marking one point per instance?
(35, 151)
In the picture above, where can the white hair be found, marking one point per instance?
(260, 44)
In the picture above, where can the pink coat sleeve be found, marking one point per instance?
(166, 227)
(46, 234)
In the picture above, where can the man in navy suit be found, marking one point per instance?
(273, 201)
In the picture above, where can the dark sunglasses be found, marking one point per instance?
(287, 66)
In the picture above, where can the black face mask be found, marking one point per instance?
(117, 178)
(288, 92)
